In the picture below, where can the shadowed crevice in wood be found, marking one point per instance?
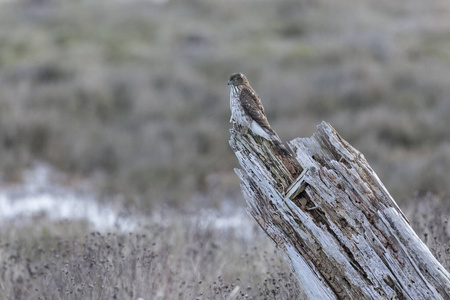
(334, 222)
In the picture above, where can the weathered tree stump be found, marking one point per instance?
(334, 222)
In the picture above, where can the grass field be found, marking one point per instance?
(181, 258)
(132, 97)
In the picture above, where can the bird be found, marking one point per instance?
(248, 112)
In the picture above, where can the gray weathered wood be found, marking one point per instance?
(334, 222)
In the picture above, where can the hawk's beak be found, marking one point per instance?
(228, 83)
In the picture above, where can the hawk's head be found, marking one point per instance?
(237, 79)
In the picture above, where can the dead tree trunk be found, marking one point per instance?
(334, 222)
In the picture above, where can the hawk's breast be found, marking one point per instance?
(238, 114)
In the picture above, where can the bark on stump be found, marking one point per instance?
(334, 222)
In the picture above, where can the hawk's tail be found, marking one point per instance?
(276, 140)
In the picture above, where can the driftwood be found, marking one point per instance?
(334, 222)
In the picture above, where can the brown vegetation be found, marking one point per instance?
(181, 258)
(137, 91)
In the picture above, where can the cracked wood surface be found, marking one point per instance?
(334, 222)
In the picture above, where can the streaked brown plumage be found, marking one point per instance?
(248, 111)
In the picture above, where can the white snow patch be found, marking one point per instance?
(239, 220)
(37, 195)
(43, 193)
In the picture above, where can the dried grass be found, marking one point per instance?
(181, 257)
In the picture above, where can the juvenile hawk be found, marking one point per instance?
(248, 112)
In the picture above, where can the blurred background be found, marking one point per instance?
(133, 94)
(130, 97)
